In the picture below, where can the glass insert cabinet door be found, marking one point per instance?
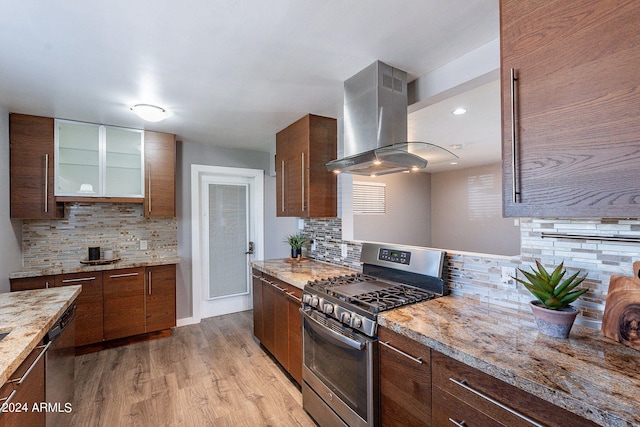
(98, 161)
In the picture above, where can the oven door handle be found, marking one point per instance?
(331, 334)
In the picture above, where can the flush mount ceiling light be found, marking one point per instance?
(150, 113)
(459, 111)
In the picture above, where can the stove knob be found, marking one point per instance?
(306, 298)
(356, 322)
(314, 301)
(328, 308)
(346, 318)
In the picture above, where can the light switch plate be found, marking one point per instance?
(143, 245)
(343, 250)
(507, 275)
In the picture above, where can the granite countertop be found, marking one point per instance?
(29, 315)
(77, 267)
(587, 374)
(299, 273)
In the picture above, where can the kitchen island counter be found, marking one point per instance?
(28, 316)
(299, 273)
(77, 267)
(587, 374)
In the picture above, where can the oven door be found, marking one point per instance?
(339, 371)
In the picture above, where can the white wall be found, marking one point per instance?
(189, 153)
(10, 230)
(466, 212)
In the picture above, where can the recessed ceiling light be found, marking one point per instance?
(150, 113)
(460, 111)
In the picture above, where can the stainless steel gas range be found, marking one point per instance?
(340, 344)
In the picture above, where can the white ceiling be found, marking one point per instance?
(231, 72)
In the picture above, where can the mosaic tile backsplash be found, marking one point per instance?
(479, 275)
(120, 227)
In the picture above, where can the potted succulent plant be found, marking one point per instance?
(552, 310)
(296, 241)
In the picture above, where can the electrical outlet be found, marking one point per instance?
(343, 250)
(507, 275)
(313, 244)
(143, 245)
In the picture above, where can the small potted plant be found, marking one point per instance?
(296, 241)
(552, 310)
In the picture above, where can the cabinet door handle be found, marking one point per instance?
(44, 349)
(282, 186)
(278, 287)
(149, 283)
(514, 134)
(6, 400)
(302, 181)
(149, 185)
(463, 384)
(115, 276)
(456, 423)
(84, 279)
(415, 359)
(292, 295)
(46, 183)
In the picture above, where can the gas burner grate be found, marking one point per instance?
(387, 299)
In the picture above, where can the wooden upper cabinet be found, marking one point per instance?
(575, 103)
(32, 168)
(305, 188)
(160, 173)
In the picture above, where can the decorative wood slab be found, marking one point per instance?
(621, 320)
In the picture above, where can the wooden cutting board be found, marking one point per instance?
(621, 320)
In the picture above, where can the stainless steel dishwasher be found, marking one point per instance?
(59, 369)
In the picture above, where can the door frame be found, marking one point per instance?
(256, 200)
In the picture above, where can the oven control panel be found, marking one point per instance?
(392, 255)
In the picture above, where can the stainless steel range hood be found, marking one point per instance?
(375, 126)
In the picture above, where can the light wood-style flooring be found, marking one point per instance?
(210, 374)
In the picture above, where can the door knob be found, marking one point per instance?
(251, 248)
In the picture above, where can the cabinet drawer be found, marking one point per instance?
(28, 283)
(89, 311)
(449, 411)
(497, 399)
(405, 380)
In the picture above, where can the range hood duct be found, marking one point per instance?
(375, 126)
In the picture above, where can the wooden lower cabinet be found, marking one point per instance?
(405, 380)
(124, 299)
(295, 333)
(18, 411)
(258, 329)
(160, 297)
(468, 397)
(89, 305)
(277, 321)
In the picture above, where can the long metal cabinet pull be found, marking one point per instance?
(282, 186)
(292, 295)
(149, 186)
(458, 424)
(7, 400)
(33, 365)
(84, 279)
(115, 276)
(46, 183)
(303, 181)
(149, 283)
(415, 359)
(514, 144)
(464, 385)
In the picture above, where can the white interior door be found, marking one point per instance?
(228, 232)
